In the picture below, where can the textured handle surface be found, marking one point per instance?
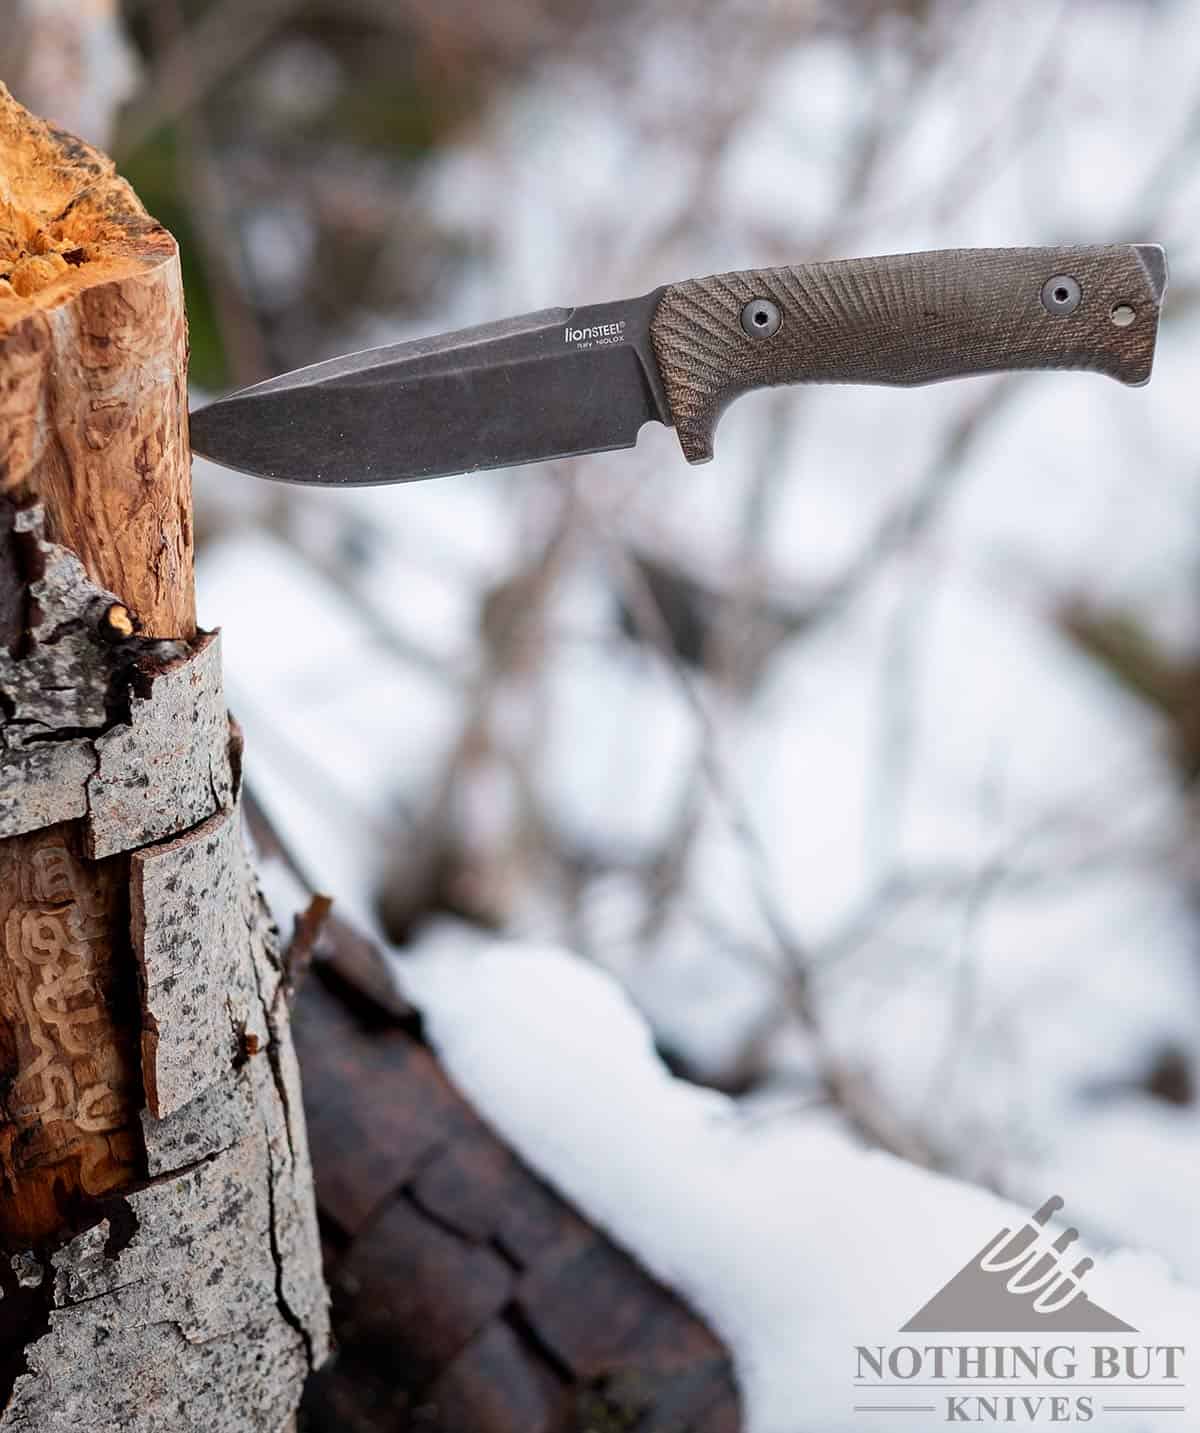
(905, 319)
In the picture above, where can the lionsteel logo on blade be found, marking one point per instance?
(1020, 1283)
(596, 333)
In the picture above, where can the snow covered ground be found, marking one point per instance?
(970, 835)
(797, 1245)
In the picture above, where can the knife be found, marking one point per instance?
(568, 381)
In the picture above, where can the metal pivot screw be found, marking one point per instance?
(1061, 295)
(761, 318)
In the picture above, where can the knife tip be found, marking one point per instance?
(203, 433)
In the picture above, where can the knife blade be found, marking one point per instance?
(568, 381)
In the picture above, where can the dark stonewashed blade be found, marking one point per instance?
(547, 385)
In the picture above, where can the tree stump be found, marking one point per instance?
(159, 1257)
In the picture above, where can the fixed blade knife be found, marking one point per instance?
(565, 381)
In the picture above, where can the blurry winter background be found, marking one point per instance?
(863, 757)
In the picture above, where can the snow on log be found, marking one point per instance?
(795, 1242)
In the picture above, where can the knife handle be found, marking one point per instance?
(904, 319)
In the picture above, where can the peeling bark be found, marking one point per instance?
(169, 766)
(159, 1256)
(144, 1036)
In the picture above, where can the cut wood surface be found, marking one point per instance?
(159, 1257)
(93, 408)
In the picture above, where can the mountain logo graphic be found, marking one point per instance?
(1018, 1283)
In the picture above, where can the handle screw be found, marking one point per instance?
(761, 318)
(1061, 295)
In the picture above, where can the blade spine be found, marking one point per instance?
(474, 336)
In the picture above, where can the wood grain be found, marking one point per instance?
(93, 407)
(904, 319)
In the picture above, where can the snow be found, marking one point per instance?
(795, 1244)
(335, 723)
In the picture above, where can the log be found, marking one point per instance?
(159, 1255)
(467, 1294)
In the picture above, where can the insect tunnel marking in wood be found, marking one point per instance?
(69, 1035)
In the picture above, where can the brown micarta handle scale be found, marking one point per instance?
(904, 319)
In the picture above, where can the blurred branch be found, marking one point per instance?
(198, 57)
(993, 146)
(377, 617)
(1154, 193)
(516, 25)
(1128, 651)
(916, 513)
(897, 706)
(851, 1090)
(477, 869)
(203, 191)
(964, 995)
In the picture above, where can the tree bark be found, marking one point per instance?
(159, 1259)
